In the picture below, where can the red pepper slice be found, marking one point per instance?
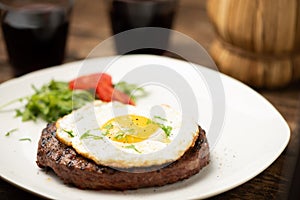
(90, 81)
(107, 93)
(122, 97)
(104, 92)
(102, 83)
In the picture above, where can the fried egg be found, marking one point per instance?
(124, 136)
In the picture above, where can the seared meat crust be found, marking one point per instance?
(74, 169)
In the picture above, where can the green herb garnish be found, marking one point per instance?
(25, 139)
(87, 134)
(11, 131)
(53, 101)
(166, 129)
(12, 102)
(107, 127)
(69, 132)
(132, 147)
(119, 135)
(131, 89)
(149, 121)
(159, 117)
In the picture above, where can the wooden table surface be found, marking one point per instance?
(90, 25)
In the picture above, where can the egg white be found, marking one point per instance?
(72, 130)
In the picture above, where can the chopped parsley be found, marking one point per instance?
(87, 134)
(107, 127)
(11, 131)
(25, 139)
(149, 121)
(70, 133)
(132, 147)
(166, 129)
(129, 89)
(119, 135)
(159, 117)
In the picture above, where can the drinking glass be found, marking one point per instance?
(35, 32)
(130, 14)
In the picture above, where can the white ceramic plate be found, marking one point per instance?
(252, 133)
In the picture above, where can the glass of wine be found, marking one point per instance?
(35, 32)
(131, 14)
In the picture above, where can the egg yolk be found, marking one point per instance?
(129, 128)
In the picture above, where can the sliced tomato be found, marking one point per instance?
(90, 81)
(107, 93)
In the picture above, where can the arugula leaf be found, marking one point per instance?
(12, 102)
(53, 101)
(129, 89)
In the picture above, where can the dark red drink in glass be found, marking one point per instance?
(129, 14)
(35, 35)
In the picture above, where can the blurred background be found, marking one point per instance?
(90, 24)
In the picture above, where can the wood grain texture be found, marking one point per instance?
(259, 35)
(90, 26)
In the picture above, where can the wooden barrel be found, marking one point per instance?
(258, 41)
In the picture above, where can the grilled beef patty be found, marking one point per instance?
(76, 170)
